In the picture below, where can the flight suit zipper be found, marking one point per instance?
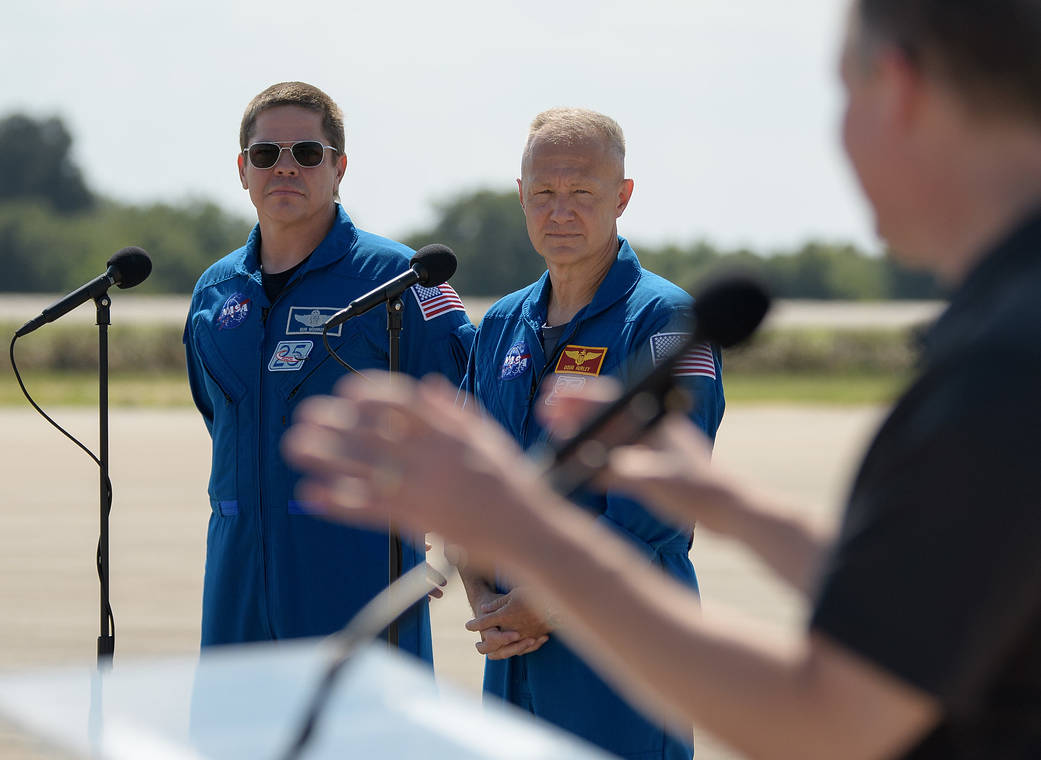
(536, 381)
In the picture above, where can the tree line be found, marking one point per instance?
(55, 230)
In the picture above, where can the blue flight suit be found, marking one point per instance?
(273, 571)
(634, 317)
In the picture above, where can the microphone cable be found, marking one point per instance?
(332, 352)
(382, 610)
(108, 482)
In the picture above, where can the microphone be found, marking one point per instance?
(727, 312)
(127, 268)
(432, 265)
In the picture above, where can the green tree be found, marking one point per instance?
(44, 252)
(35, 163)
(486, 230)
(827, 271)
(907, 283)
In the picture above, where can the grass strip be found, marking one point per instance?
(80, 388)
(164, 390)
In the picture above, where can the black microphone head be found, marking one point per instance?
(729, 309)
(132, 266)
(435, 264)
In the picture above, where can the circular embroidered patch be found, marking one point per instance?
(234, 312)
(517, 361)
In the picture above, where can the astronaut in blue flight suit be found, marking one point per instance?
(253, 340)
(595, 312)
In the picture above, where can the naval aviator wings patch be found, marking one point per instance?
(309, 320)
(581, 360)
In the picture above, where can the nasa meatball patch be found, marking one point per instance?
(517, 361)
(234, 312)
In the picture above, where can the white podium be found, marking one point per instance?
(247, 701)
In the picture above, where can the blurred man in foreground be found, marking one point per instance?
(925, 638)
(594, 313)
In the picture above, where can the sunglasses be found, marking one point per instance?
(306, 153)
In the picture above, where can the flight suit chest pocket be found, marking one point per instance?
(226, 392)
(221, 381)
(319, 371)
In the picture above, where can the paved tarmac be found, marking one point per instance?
(159, 459)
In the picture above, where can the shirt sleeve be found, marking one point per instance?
(936, 575)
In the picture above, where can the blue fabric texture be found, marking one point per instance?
(273, 570)
(630, 316)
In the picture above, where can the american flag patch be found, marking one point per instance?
(434, 302)
(698, 361)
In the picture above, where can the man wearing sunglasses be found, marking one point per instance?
(254, 350)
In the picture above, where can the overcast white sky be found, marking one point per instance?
(730, 107)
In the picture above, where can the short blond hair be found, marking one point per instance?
(568, 126)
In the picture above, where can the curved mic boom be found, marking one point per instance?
(431, 265)
(128, 267)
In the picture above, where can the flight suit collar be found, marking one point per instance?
(618, 284)
(333, 247)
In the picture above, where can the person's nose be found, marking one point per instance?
(561, 210)
(286, 164)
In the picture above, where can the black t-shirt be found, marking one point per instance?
(274, 283)
(936, 575)
(551, 338)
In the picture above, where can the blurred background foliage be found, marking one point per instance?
(56, 233)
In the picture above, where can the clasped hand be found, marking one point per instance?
(509, 625)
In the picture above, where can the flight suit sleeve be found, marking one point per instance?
(434, 342)
(196, 381)
(468, 385)
(699, 372)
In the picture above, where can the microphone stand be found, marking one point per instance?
(395, 309)
(107, 638)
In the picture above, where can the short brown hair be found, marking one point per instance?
(987, 50)
(296, 94)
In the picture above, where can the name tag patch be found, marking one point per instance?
(564, 383)
(581, 360)
(290, 355)
(308, 320)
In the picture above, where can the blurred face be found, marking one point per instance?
(288, 193)
(859, 122)
(878, 136)
(572, 196)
